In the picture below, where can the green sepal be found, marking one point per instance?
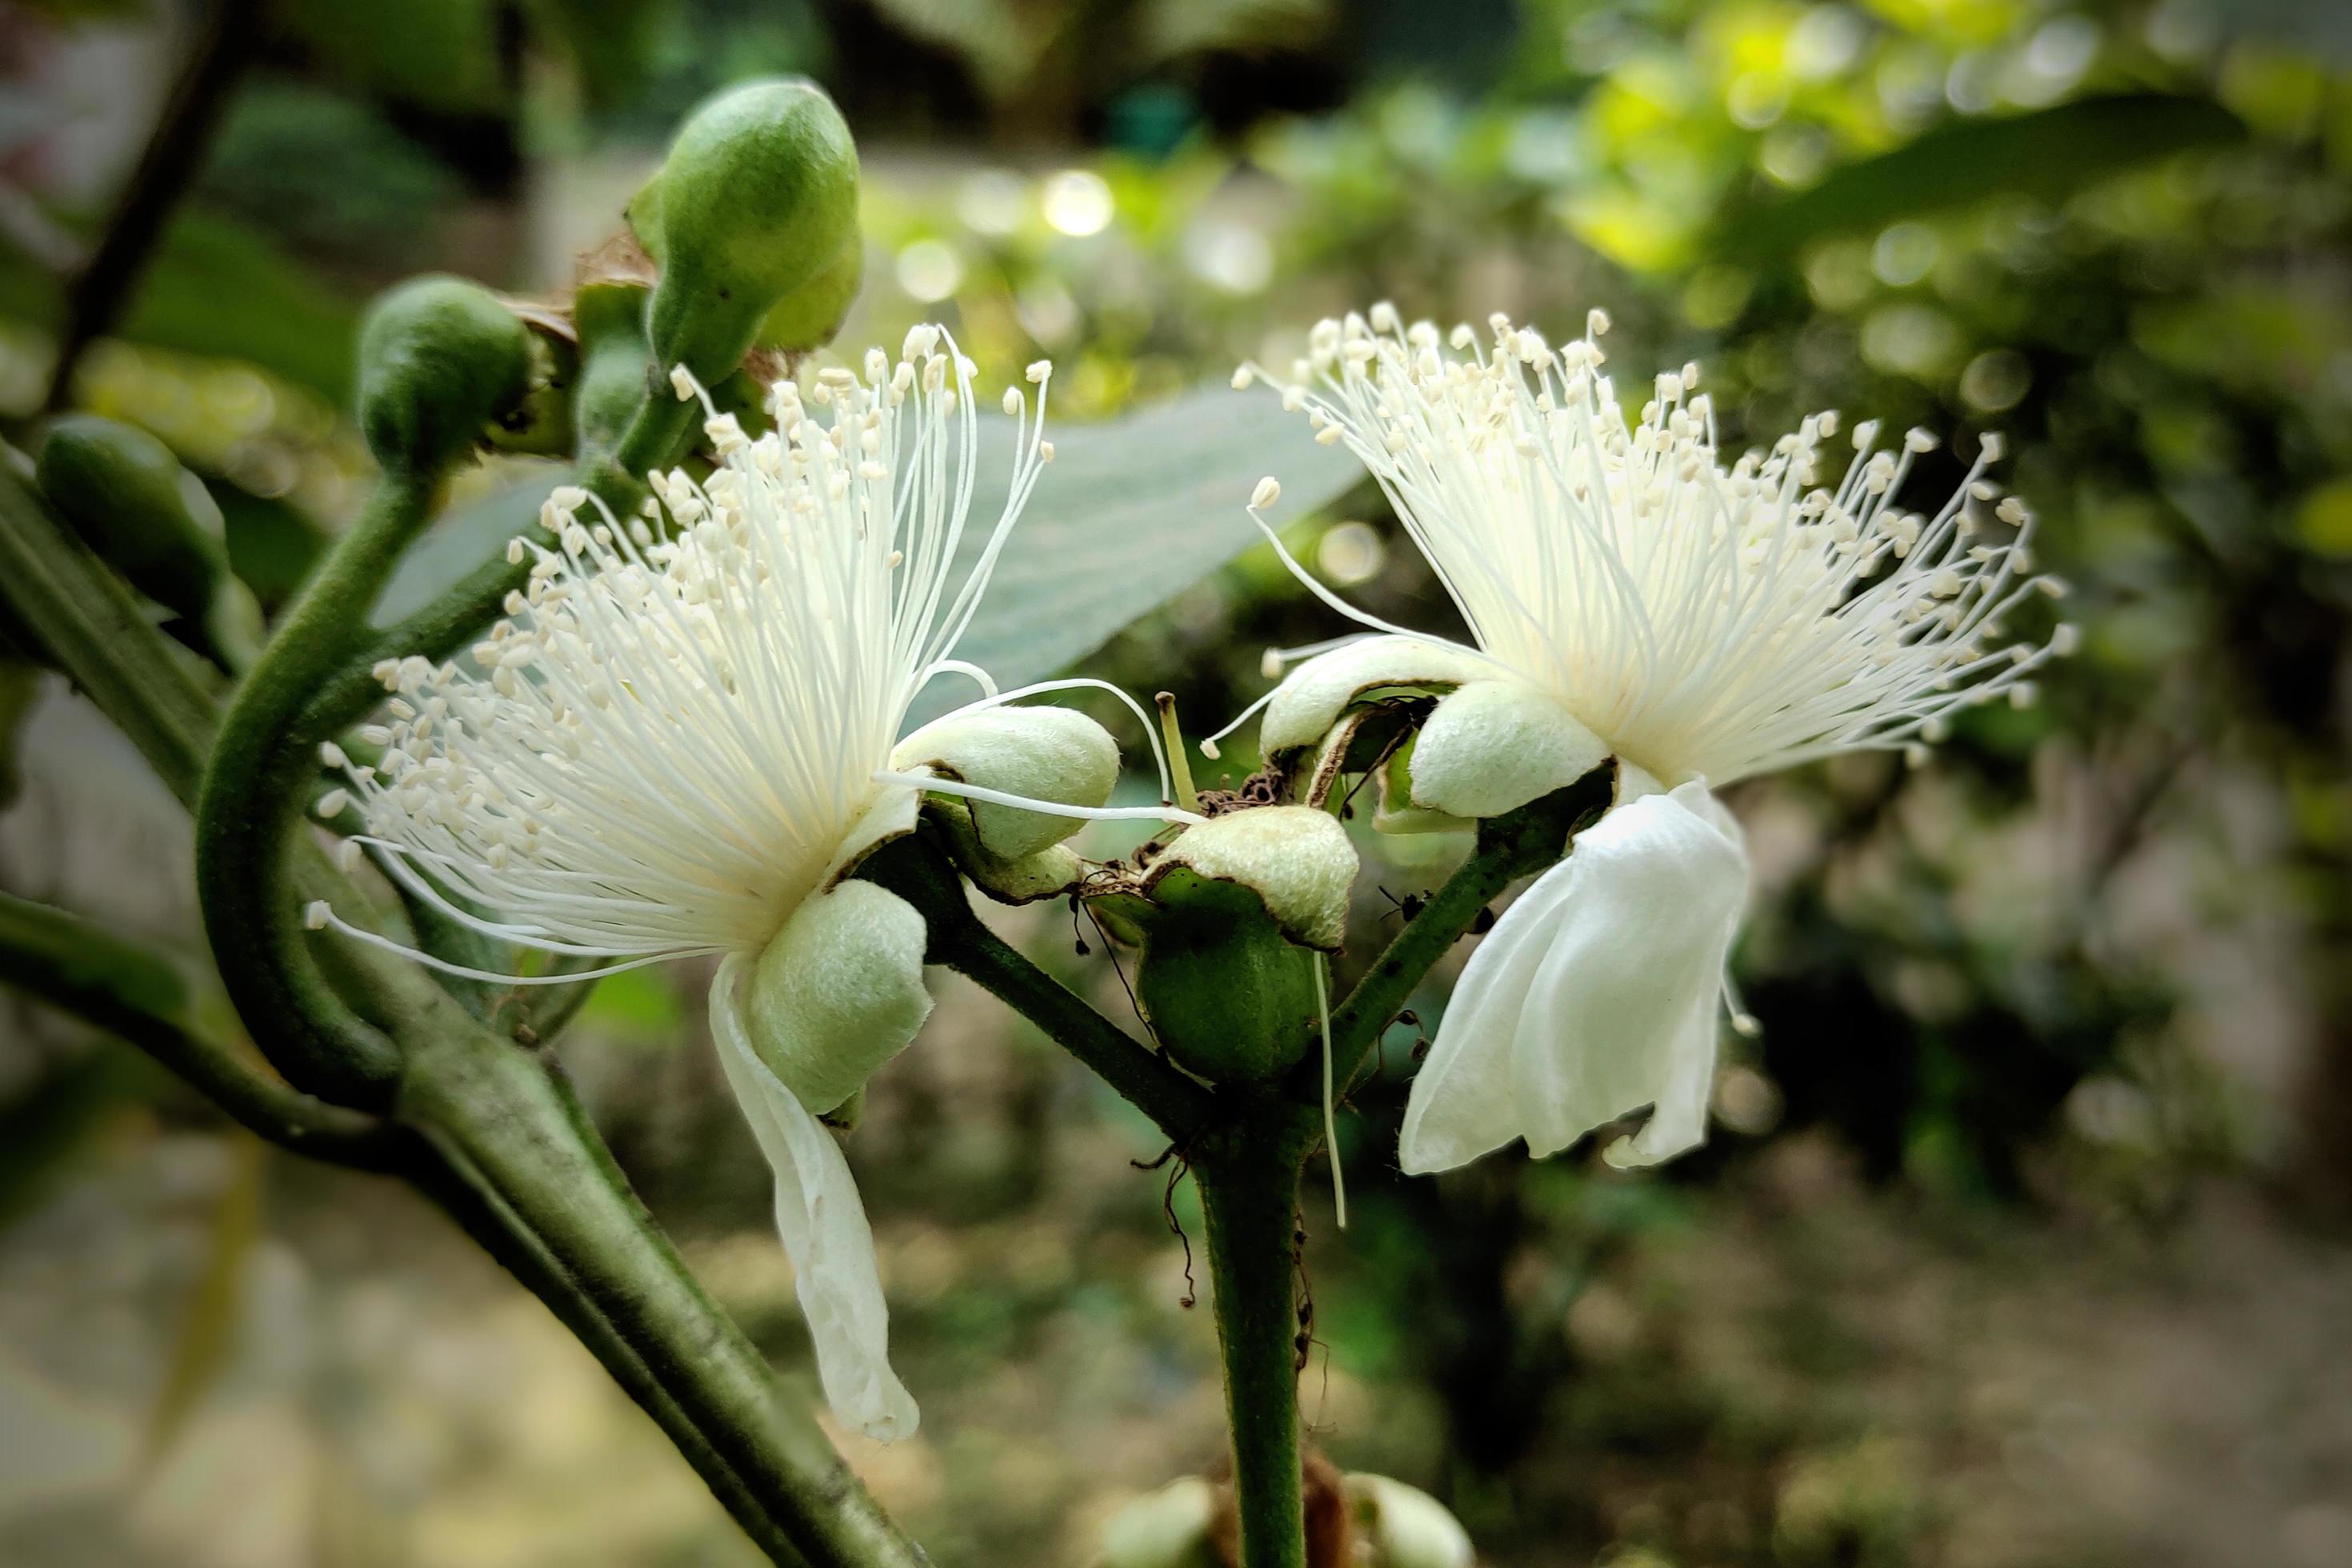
(1228, 996)
(1023, 879)
(441, 359)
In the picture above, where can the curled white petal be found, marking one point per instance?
(1311, 699)
(1047, 753)
(822, 1223)
(1596, 994)
(1493, 746)
(838, 992)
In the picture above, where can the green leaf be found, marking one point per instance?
(1130, 513)
(2049, 153)
(439, 54)
(66, 960)
(215, 287)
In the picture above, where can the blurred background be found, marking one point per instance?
(2022, 1236)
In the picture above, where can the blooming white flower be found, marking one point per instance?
(1630, 596)
(686, 736)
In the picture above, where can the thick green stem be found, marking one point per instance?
(506, 1120)
(484, 1213)
(915, 871)
(99, 977)
(1248, 1176)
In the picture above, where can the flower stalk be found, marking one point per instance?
(1247, 1172)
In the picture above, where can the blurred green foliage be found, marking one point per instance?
(2119, 233)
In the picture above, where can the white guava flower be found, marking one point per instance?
(685, 737)
(1630, 597)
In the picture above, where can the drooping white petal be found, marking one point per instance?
(822, 1223)
(1496, 744)
(1596, 994)
(1312, 697)
(838, 992)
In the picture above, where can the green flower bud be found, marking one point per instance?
(756, 203)
(1231, 917)
(441, 359)
(809, 315)
(128, 499)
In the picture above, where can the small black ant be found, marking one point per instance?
(1408, 906)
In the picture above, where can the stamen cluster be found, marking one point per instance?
(1707, 620)
(662, 748)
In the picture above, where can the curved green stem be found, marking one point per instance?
(248, 812)
(1248, 1176)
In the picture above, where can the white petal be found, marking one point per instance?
(1312, 697)
(822, 1226)
(838, 992)
(1595, 994)
(1045, 753)
(1496, 744)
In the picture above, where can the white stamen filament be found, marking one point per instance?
(1705, 620)
(662, 748)
(1330, 1121)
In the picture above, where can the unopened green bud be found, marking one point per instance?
(128, 499)
(1233, 918)
(131, 502)
(756, 202)
(610, 318)
(441, 359)
(809, 315)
